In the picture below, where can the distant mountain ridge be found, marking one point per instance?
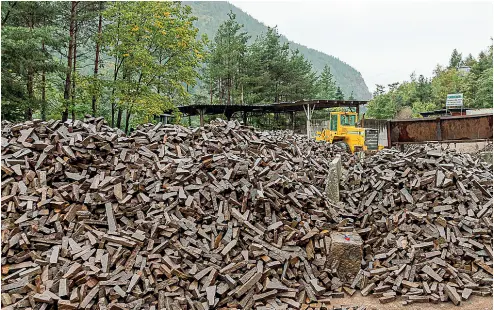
(212, 14)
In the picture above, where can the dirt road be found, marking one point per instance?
(474, 303)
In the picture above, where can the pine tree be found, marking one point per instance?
(326, 85)
(227, 62)
(456, 60)
(299, 80)
(423, 89)
(339, 94)
(469, 60)
(27, 40)
(70, 59)
(268, 67)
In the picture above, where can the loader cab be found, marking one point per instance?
(339, 121)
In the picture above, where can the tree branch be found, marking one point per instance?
(12, 5)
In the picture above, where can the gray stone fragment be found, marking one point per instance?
(346, 251)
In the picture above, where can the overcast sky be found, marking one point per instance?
(384, 40)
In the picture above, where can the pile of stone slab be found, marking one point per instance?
(425, 218)
(168, 217)
(299, 139)
(226, 217)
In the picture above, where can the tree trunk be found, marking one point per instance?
(222, 91)
(113, 105)
(211, 90)
(119, 117)
(125, 75)
(96, 59)
(66, 93)
(116, 68)
(229, 86)
(242, 94)
(30, 84)
(74, 73)
(112, 113)
(30, 93)
(6, 17)
(127, 120)
(43, 90)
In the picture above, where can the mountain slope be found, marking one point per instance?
(212, 14)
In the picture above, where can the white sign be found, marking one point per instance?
(454, 100)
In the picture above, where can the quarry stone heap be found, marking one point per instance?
(226, 217)
(211, 217)
(426, 220)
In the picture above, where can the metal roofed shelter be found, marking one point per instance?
(444, 112)
(308, 106)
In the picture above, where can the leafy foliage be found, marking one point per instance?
(151, 52)
(129, 61)
(226, 66)
(326, 85)
(339, 94)
(211, 14)
(151, 42)
(27, 39)
(264, 72)
(425, 94)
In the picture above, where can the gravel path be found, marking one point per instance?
(473, 303)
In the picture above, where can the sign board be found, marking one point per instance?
(454, 100)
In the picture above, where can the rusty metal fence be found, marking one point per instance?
(452, 129)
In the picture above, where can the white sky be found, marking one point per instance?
(384, 40)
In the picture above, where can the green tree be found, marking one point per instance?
(469, 60)
(483, 95)
(27, 40)
(227, 61)
(447, 82)
(381, 107)
(299, 81)
(339, 94)
(419, 106)
(156, 53)
(423, 89)
(326, 84)
(425, 94)
(456, 60)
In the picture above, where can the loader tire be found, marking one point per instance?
(343, 145)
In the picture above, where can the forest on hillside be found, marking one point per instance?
(211, 14)
(469, 75)
(129, 61)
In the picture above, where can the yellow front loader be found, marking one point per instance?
(343, 131)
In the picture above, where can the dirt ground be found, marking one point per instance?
(473, 303)
(466, 147)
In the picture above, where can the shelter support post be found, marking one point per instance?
(308, 114)
(245, 118)
(201, 117)
(292, 120)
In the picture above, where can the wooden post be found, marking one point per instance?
(245, 118)
(293, 120)
(308, 114)
(201, 117)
